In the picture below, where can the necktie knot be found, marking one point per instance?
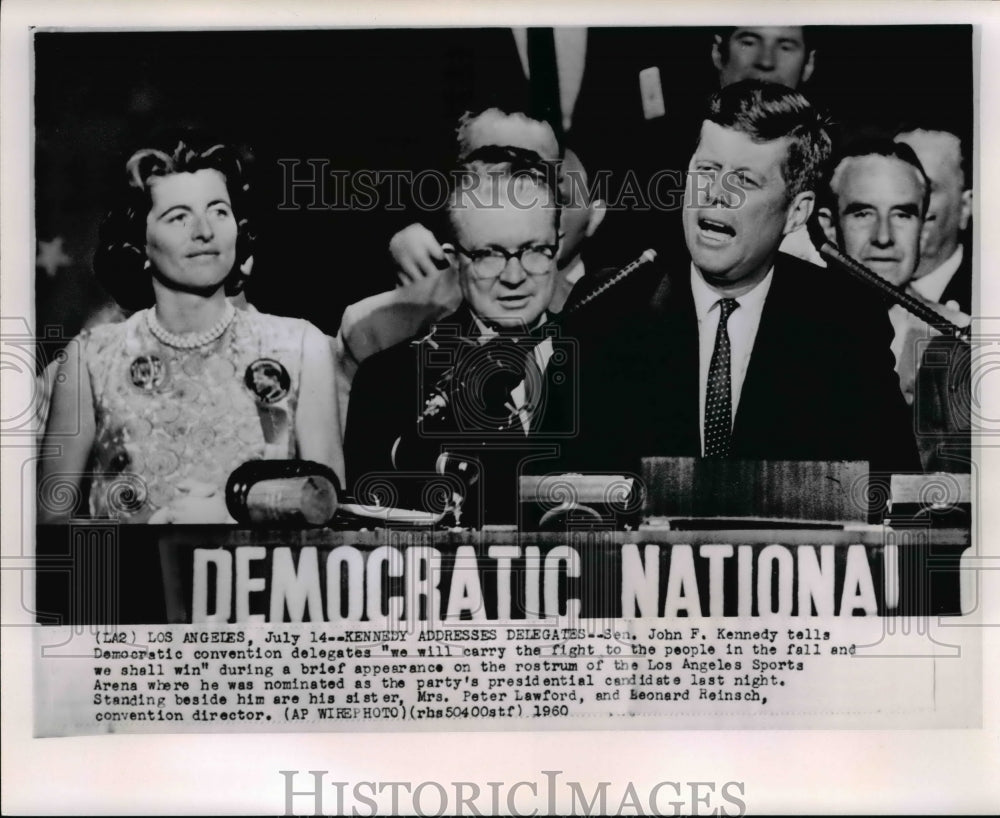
(726, 308)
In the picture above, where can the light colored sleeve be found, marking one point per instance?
(69, 438)
(317, 420)
(384, 320)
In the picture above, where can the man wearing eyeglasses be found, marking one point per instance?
(508, 288)
(461, 410)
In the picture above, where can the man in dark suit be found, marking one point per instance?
(470, 402)
(944, 274)
(942, 403)
(875, 211)
(428, 285)
(749, 353)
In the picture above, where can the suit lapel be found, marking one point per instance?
(760, 370)
(762, 414)
(673, 387)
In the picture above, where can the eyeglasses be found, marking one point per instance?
(535, 259)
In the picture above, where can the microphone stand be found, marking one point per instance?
(839, 260)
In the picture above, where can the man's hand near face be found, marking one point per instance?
(417, 253)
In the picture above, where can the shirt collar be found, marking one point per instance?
(575, 273)
(932, 285)
(705, 298)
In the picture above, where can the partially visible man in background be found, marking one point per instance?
(877, 206)
(944, 274)
(784, 55)
(877, 211)
(780, 54)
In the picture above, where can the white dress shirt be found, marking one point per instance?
(910, 334)
(571, 58)
(575, 272)
(933, 285)
(742, 327)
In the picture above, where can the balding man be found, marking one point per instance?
(428, 287)
(876, 211)
(944, 274)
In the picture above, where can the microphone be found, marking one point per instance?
(472, 397)
(836, 258)
(648, 257)
(486, 370)
(283, 492)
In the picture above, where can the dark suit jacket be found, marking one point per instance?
(820, 383)
(390, 392)
(942, 400)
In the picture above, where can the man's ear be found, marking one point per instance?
(925, 229)
(799, 211)
(717, 60)
(966, 210)
(598, 210)
(809, 67)
(825, 217)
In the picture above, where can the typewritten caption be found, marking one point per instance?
(250, 678)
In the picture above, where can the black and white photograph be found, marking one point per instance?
(605, 393)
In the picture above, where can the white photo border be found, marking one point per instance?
(789, 771)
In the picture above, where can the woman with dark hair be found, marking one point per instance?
(158, 410)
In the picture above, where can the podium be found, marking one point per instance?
(732, 538)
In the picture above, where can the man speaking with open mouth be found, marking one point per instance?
(750, 353)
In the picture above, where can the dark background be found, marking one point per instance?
(383, 99)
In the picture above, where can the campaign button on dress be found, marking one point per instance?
(148, 373)
(268, 380)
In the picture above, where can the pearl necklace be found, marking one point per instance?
(190, 340)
